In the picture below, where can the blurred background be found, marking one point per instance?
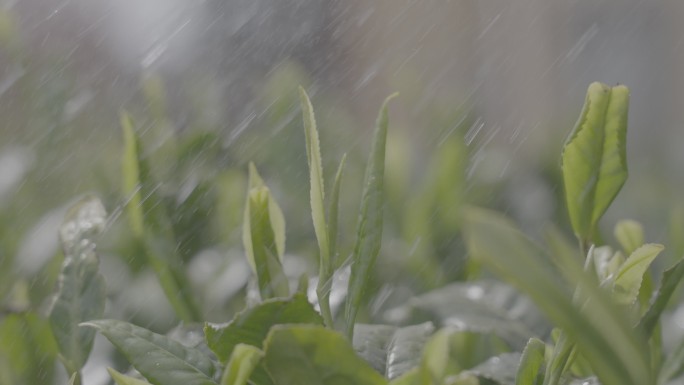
(488, 91)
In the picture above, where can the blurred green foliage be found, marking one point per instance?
(198, 178)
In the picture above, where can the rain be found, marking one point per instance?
(488, 92)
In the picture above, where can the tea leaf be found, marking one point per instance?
(81, 289)
(161, 360)
(369, 228)
(242, 362)
(412, 377)
(484, 306)
(317, 194)
(151, 225)
(673, 366)
(436, 355)
(501, 369)
(263, 236)
(593, 160)
(313, 355)
(27, 350)
(630, 234)
(618, 354)
(333, 211)
(122, 379)
(252, 325)
(531, 368)
(391, 350)
(629, 276)
(669, 282)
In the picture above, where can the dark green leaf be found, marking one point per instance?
(391, 350)
(314, 355)
(369, 228)
(668, 284)
(485, 306)
(252, 325)
(593, 160)
(501, 369)
(161, 360)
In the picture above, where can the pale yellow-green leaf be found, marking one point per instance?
(122, 379)
(594, 159)
(628, 278)
(263, 237)
(630, 234)
(317, 199)
(242, 362)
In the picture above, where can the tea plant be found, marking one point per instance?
(599, 298)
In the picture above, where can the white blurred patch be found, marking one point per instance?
(40, 243)
(15, 162)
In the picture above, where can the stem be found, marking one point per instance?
(323, 290)
(75, 378)
(324, 303)
(565, 351)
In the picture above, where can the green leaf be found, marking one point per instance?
(669, 282)
(27, 350)
(122, 379)
(502, 369)
(161, 360)
(317, 198)
(412, 377)
(531, 368)
(263, 236)
(251, 326)
(314, 355)
(630, 234)
(150, 224)
(673, 366)
(391, 350)
(132, 167)
(369, 228)
(242, 362)
(607, 262)
(594, 157)
(618, 354)
(562, 357)
(484, 306)
(333, 211)
(435, 360)
(81, 292)
(628, 279)
(585, 381)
